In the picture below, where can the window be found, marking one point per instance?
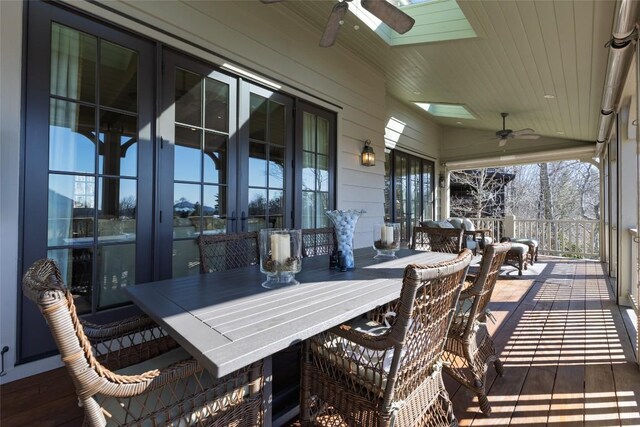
(409, 190)
(317, 133)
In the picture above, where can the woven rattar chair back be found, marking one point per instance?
(318, 241)
(394, 376)
(182, 393)
(220, 252)
(469, 348)
(435, 239)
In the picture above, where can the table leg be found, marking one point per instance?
(267, 397)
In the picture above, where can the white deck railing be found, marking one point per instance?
(574, 239)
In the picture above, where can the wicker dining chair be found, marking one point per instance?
(171, 389)
(365, 373)
(220, 252)
(318, 241)
(469, 347)
(437, 239)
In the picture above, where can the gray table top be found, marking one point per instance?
(227, 320)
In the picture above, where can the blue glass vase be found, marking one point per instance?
(344, 224)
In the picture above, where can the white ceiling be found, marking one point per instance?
(524, 50)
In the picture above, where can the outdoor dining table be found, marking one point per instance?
(227, 320)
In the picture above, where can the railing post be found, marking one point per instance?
(510, 226)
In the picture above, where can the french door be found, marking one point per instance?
(226, 146)
(88, 165)
(409, 191)
(133, 151)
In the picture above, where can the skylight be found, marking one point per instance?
(456, 111)
(436, 20)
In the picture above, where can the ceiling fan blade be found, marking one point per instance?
(389, 14)
(527, 136)
(523, 131)
(333, 24)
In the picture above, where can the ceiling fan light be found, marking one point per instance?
(389, 14)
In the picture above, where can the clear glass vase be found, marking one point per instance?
(386, 239)
(344, 223)
(280, 256)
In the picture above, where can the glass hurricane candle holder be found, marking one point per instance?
(280, 256)
(386, 239)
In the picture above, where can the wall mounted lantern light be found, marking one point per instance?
(441, 181)
(368, 157)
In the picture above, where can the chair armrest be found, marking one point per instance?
(369, 341)
(100, 332)
(126, 342)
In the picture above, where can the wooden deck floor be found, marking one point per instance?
(569, 360)
(568, 357)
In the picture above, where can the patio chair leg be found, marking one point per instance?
(485, 406)
(497, 364)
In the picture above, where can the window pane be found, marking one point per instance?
(187, 154)
(216, 105)
(116, 266)
(322, 206)
(118, 77)
(76, 268)
(215, 158)
(308, 209)
(70, 209)
(258, 117)
(72, 130)
(186, 258)
(308, 171)
(427, 191)
(118, 154)
(322, 173)
(276, 167)
(257, 202)
(257, 165)
(73, 64)
(188, 98)
(322, 140)
(214, 206)
(186, 210)
(276, 202)
(277, 123)
(309, 132)
(117, 204)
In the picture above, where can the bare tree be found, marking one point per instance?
(482, 194)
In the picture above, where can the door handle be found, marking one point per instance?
(244, 219)
(232, 218)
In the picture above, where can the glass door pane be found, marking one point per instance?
(88, 165)
(428, 198)
(266, 152)
(402, 194)
(202, 103)
(93, 157)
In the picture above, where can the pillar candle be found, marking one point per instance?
(280, 247)
(389, 234)
(383, 234)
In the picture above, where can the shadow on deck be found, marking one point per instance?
(567, 351)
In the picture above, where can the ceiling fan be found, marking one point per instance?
(505, 134)
(381, 9)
